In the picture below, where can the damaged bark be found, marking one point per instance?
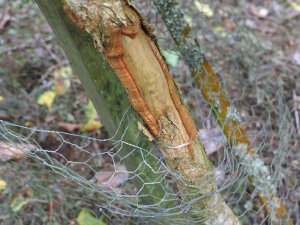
(126, 41)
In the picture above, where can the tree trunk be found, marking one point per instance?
(109, 99)
(120, 33)
(226, 114)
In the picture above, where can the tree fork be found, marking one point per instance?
(118, 32)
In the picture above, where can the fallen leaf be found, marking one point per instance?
(230, 25)
(260, 12)
(70, 127)
(10, 150)
(171, 57)
(19, 202)
(22, 199)
(212, 139)
(263, 12)
(3, 185)
(86, 218)
(188, 19)
(62, 80)
(92, 125)
(220, 31)
(204, 8)
(295, 5)
(112, 178)
(29, 123)
(47, 98)
(90, 110)
(4, 18)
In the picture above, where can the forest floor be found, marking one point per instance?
(253, 45)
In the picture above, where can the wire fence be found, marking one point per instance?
(53, 174)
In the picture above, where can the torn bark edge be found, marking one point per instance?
(186, 156)
(105, 22)
(92, 22)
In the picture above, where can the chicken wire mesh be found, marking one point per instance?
(146, 193)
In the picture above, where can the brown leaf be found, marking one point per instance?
(212, 139)
(4, 18)
(11, 150)
(112, 178)
(70, 127)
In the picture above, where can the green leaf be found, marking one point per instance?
(171, 57)
(18, 203)
(90, 111)
(3, 185)
(295, 5)
(62, 80)
(86, 218)
(204, 8)
(47, 98)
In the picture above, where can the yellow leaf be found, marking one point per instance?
(295, 5)
(47, 98)
(62, 80)
(188, 19)
(29, 123)
(92, 125)
(90, 111)
(1, 98)
(220, 31)
(204, 8)
(3, 185)
(19, 202)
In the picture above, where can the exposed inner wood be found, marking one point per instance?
(154, 96)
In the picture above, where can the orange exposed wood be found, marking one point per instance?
(153, 94)
(114, 53)
(188, 122)
(75, 19)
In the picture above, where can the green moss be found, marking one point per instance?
(104, 89)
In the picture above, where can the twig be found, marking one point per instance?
(296, 99)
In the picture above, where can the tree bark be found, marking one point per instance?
(126, 41)
(110, 100)
(226, 114)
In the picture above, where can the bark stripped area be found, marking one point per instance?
(119, 33)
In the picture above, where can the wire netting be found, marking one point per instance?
(61, 173)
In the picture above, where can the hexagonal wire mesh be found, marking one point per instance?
(259, 85)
